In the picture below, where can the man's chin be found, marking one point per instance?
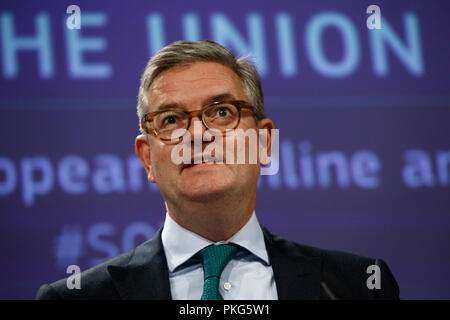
(206, 193)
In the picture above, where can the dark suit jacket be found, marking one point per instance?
(143, 274)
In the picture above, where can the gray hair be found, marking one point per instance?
(182, 53)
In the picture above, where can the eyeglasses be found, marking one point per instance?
(222, 116)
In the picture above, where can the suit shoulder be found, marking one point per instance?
(95, 283)
(349, 269)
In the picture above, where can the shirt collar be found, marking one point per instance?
(181, 244)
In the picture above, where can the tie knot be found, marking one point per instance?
(215, 258)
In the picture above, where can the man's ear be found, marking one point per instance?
(142, 149)
(265, 127)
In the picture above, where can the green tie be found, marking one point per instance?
(214, 259)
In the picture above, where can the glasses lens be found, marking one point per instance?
(221, 116)
(167, 122)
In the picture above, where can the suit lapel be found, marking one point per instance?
(296, 276)
(146, 275)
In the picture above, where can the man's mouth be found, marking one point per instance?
(190, 165)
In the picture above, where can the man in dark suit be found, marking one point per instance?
(196, 99)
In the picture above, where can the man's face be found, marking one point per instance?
(190, 88)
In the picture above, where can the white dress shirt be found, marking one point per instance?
(248, 275)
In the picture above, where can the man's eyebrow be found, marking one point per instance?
(168, 106)
(218, 98)
(215, 98)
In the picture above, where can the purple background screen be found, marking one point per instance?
(363, 117)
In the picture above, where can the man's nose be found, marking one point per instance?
(196, 129)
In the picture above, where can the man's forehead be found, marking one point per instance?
(194, 84)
